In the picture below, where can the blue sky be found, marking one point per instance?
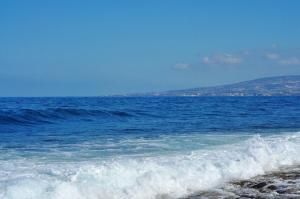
(73, 48)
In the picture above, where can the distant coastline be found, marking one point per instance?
(269, 86)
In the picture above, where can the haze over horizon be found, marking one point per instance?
(64, 48)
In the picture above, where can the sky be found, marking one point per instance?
(92, 48)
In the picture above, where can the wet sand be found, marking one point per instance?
(281, 184)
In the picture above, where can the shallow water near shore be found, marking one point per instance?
(165, 147)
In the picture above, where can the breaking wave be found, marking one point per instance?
(159, 176)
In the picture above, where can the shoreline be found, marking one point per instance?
(282, 183)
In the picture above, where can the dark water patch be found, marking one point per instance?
(121, 113)
(52, 115)
(51, 140)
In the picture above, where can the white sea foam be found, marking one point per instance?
(148, 177)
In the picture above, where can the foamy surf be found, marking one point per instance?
(279, 184)
(159, 176)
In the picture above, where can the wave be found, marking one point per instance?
(51, 115)
(172, 176)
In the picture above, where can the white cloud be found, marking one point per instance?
(223, 58)
(272, 56)
(274, 45)
(290, 61)
(181, 66)
(207, 60)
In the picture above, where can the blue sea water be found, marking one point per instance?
(141, 147)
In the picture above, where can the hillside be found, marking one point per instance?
(271, 86)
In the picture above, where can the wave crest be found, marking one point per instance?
(51, 115)
(154, 177)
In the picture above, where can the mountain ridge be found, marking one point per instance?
(267, 86)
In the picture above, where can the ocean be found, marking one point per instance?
(142, 147)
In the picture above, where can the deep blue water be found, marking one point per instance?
(45, 138)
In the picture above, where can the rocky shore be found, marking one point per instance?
(282, 184)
